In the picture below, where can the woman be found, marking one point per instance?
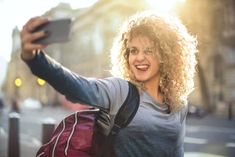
(153, 51)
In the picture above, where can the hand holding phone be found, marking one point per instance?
(57, 30)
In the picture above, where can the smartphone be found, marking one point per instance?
(58, 31)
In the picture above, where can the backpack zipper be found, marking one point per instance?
(70, 136)
(53, 151)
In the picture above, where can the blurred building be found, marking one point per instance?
(213, 22)
(93, 30)
(87, 53)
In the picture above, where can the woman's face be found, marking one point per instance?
(143, 60)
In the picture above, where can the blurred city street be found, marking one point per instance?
(31, 121)
(208, 136)
(95, 24)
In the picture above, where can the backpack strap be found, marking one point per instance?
(124, 116)
(128, 109)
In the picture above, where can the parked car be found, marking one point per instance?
(31, 103)
(196, 111)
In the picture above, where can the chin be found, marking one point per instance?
(141, 79)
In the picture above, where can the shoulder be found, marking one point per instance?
(114, 83)
(183, 113)
(117, 89)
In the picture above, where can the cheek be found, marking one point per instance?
(156, 64)
(129, 61)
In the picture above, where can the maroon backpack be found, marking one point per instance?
(89, 133)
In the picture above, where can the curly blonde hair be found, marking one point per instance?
(177, 54)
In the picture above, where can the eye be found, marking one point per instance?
(148, 52)
(133, 51)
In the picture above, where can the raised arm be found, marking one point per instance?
(28, 36)
(108, 93)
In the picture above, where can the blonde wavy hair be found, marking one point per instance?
(176, 55)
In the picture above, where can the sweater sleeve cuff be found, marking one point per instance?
(35, 58)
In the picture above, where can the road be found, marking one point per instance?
(31, 121)
(210, 136)
(214, 136)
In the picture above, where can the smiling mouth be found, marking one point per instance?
(143, 67)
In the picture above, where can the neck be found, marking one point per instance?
(152, 88)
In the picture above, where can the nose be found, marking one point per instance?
(140, 56)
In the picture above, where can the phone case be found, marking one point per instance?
(58, 31)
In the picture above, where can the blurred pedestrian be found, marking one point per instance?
(153, 51)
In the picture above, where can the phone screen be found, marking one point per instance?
(58, 31)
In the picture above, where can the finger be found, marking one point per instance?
(30, 37)
(27, 43)
(26, 27)
(33, 23)
(29, 47)
(36, 22)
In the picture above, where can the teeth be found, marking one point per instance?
(142, 67)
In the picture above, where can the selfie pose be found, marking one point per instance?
(157, 54)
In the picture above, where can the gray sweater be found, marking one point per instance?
(154, 131)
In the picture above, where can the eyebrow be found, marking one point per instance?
(147, 48)
(132, 47)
